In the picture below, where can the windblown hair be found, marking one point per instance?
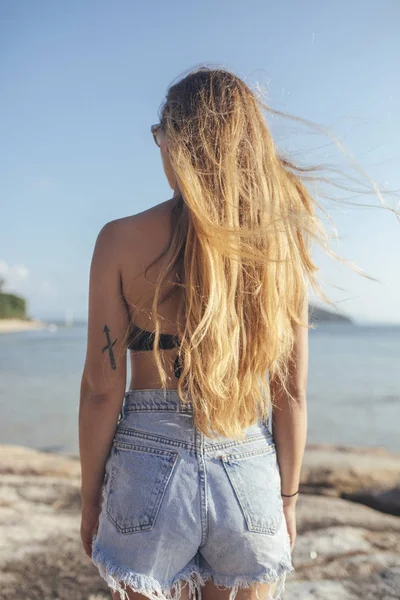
(245, 221)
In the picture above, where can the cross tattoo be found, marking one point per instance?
(109, 346)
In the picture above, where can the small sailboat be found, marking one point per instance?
(69, 318)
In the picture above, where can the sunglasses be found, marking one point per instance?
(156, 130)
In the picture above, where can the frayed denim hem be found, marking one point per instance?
(276, 578)
(121, 580)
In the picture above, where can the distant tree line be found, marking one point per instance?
(11, 306)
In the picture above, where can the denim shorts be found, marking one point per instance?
(180, 507)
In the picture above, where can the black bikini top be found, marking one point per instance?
(144, 340)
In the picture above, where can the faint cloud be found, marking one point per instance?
(18, 279)
(13, 272)
(20, 272)
(3, 268)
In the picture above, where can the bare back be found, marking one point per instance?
(143, 237)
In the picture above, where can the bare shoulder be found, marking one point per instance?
(131, 242)
(133, 228)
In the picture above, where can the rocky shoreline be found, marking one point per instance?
(345, 548)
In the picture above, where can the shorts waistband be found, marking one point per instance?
(155, 399)
(168, 400)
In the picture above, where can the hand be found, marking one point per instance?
(89, 525)
(289, 510)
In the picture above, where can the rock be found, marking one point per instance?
(317, 512)
(318, 545)
(337, 552)
(384, 585)
(18, 460)
(34, 506)
(341, 470)
(318, 590)
(25, 530)
(344, 550)
(339, 540)
(59, 571)
(340, 568)
(55, 491)
(386, 502)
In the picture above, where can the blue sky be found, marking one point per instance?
(81, 83)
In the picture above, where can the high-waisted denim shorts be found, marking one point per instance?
(180, 507)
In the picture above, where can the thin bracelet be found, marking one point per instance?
(290, 495)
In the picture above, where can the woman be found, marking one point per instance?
(188, 487)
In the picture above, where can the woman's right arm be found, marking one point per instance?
(289, 422)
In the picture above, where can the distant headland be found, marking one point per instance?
(13, 313)
(317, 314)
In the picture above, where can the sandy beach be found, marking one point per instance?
(14, 325)
(348, 543)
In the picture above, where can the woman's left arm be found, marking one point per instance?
(103, 381)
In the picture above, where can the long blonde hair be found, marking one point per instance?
(245, 221)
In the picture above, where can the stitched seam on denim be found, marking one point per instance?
(128, 530)
(131, 431)
(157, 407)
(108, 510)
(148, 449)
(172, 462)
(162, 488)
(205, 490)
(159, 410)
(221, 445)
(242, 455)
(202, 486)
(245, 508)
(172, 391)
(208, 448)
(238, 494)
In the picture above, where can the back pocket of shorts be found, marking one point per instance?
(139, 477)
(255, 478)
